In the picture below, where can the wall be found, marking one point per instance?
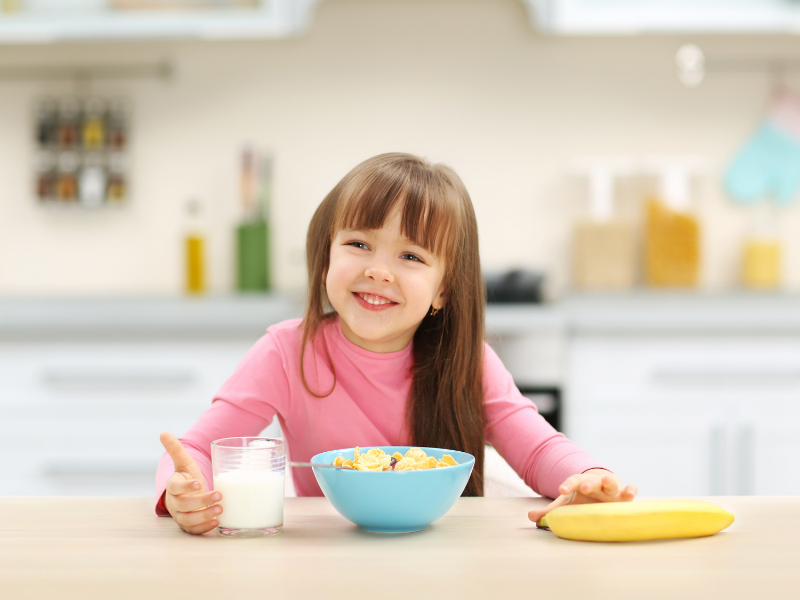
(466, 82)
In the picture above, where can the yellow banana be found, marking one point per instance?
(634, 521)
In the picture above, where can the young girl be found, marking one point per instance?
(390, 352)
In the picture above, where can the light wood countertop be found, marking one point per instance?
(116, 548)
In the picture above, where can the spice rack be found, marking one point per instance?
(82, 151)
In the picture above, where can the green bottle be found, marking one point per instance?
(252, 250)
(252, 234)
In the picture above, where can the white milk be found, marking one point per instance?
(250, 499)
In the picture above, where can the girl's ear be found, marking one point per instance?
(442, 297)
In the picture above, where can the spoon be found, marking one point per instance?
(309, 464)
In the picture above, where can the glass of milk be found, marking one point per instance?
(249, 473)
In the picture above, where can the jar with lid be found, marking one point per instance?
(66, 180)
(93, 128)
(68, 116)
(45, 175)
(761, 252)
(118, 125)
(117, 188)
(46, 123)
(672, 228)
(92, 181)
(603, 242)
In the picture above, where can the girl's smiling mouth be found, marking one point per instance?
(372, 302)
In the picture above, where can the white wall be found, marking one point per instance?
(466, 82)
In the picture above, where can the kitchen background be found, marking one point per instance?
(522, 111)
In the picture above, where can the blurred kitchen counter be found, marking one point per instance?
(224, 316)
(652, 313)
(249, 315)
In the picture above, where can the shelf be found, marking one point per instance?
(636, 17)
(82, 20)
(271, 19)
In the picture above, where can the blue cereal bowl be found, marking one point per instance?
(393, 501)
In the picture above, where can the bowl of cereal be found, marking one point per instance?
(393, 489)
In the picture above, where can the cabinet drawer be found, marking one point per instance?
(144, 373)
(84, 418)
(682, 369)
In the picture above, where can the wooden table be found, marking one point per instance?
(116, 548)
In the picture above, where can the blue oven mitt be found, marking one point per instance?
(769, 164)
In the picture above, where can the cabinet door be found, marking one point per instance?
(769, 448)
(681, 368)
(679, 405)
(84, 418)
(664, 455)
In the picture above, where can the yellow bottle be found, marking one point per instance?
(93, 130)
(194, 252)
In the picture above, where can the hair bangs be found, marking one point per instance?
(427, 202)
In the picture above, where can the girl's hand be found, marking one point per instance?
(595, 485)
(186, 498)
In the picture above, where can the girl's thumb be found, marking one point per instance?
(180, 457)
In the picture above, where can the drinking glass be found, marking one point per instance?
(249, 473)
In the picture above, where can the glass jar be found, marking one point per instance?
(672, 227)
(603, 242)
(672, 246)
(761, 251)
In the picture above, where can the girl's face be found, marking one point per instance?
(382, 285)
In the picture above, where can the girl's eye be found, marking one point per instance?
(414, 257)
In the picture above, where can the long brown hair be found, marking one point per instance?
(445, 403)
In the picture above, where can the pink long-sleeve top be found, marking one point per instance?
(366, 408)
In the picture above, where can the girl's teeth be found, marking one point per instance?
(373, 299)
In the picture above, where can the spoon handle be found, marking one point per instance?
(308, 464)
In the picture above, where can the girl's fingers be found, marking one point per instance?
(592, 487)
(200, 517)
(630, 491)
(202, 528)
(586, 488)
(187, 504)
(538, 513)
(180, 457)
(610, 485)
(177, 486)
(570, 484)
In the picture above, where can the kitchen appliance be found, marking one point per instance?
(514, 286)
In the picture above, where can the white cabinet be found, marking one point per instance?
(84, 418)
(770, 447)
(688, 414)
(87, 385)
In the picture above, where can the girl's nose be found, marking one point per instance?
(379, 274)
